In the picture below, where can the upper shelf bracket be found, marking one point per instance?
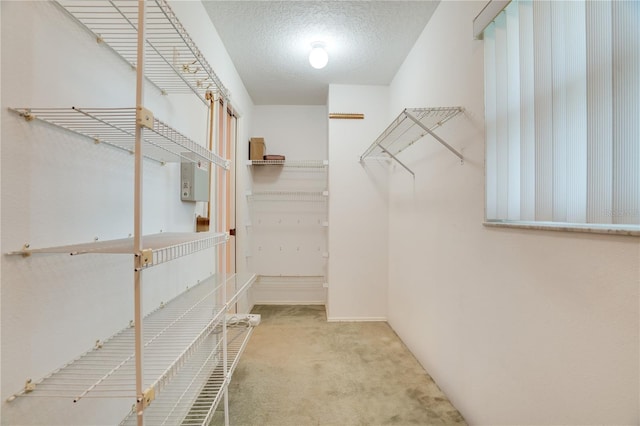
(411, 125)
(436, 137)
(398, 161)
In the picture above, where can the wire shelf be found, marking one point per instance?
(116, 127)
(108, 370)
(192, 399)
(237, 285)
(411, 125)
(301, 164)
(165, 246)
(192, 320)
(317, 196)
(173, 62)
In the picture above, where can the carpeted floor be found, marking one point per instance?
(298, 369)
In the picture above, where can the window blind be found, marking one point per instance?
(562, 109)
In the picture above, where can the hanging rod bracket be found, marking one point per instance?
(398, 161)
(436, 137)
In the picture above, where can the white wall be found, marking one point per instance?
(194, 17)
(517, 327)
(58, 188)
(297, 131)
(358, 206)
(287, 240)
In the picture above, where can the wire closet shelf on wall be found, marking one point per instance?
(183, 336)
(411, 125)
(173, 62)
(284, 195)
(298, 164)
(191, 348)
(160, 248)
(116, 127)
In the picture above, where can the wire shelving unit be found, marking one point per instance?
(192, 399)
(300, 164)
(316, 196)
(182, 336)
(411, 125)
(116, 127)
(165, 246)
(182, 354)
(107, 369)
(173, 62)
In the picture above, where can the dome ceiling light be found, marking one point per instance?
(318, 57)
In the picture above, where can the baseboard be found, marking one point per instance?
(290, 302)
(356, 319)
(270, 290)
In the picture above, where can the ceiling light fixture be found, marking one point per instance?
(318, 57)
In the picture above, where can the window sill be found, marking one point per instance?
(626, 230)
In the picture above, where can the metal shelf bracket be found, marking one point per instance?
(411, 125)
(398, 161)
(436, 137)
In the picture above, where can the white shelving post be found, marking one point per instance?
(137, 226)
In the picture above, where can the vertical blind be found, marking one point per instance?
(562, 106)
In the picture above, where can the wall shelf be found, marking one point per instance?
(287, 195)
(183, 336)
(411, 125)
(177, 353)
(165, 246)
(116, 127)
(173, 62)
(192, 399)
(300, 164)
(287, 227)
(280, 224)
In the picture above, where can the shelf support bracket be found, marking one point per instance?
(144, 117)
(436, 137)
(398, 161)
(148, 396)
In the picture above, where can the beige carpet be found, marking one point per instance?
(300, 370)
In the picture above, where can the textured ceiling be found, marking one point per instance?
(269, 43)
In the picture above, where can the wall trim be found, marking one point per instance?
(356, 319)
(270, 290)
(291, 302)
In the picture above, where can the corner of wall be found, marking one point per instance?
(358, 208)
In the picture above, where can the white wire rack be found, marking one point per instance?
(411, 125)
(165, 246)
(182, 347)
(116, 127)
(237, 285)
(301, 164)
(317, 196)
(192, 399)
(108, 370)
(173, 62)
